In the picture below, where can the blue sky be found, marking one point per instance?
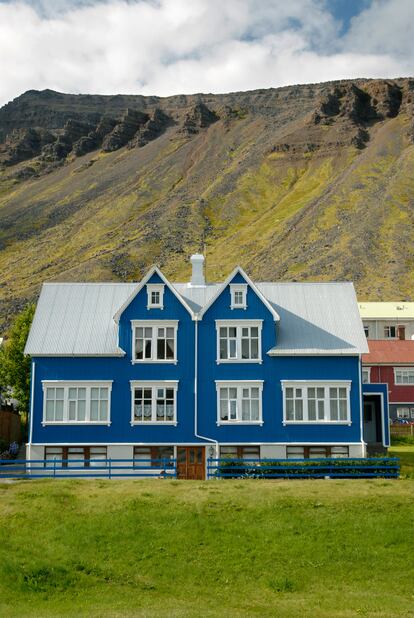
(183, 46)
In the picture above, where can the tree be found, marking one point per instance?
(14, 365)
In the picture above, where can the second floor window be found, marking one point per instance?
(154, 403)
(76, 402)
(239, 342)
(316, 403)
(390, 332)
(405, 375)
(239, 402)
(155, 342)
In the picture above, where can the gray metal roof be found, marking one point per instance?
(77, 319)
(316, 318)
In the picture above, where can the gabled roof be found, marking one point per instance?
(138, 287)
(79, 319)
(389, 352)
(397, 310)
(256, 290)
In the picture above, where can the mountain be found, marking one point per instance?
(297, 183)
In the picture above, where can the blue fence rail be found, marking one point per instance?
(84, 468)
(376, 467)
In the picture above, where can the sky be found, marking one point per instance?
(166, 47)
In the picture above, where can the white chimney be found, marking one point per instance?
(197, 275)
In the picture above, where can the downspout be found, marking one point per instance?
(361, 414)
(196, 434)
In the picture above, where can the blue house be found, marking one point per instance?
(197, 370)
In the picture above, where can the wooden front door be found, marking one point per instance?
(191, 462)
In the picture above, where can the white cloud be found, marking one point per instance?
(183, 46)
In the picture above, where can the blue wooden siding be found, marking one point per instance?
(271, 371)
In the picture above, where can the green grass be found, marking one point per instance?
(406, 454)
(219, 548)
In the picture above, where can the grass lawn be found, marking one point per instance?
(221, 548)
(406, 455)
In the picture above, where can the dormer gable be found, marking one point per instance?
(237, 287)
(155, 283)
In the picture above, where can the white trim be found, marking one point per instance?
(153, 385)
(66, 385)
(237, 443)
(239, 385)
(326, 384)
(382, 418)
(239, 270)
(239, 324)
(155, 287)
(361, 403)
(298, 352)
(150, 273)
(238, 287)
(154, 324)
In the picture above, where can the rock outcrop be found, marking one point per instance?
(125, 130)
(24, 144)
(199, 117)
(153, 128)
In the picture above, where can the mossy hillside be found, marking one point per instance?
(272, 191)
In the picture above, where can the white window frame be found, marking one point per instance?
(388, 326)
(326, 384)
(88, 385)
(154, 324)
(155, 287)
(401, 371)
(239, 324)
(153, 385)
(367, 370)
(366, 330)
(240, 384)
(400, 414)
(238, 288)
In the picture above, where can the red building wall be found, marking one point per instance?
(397, 393)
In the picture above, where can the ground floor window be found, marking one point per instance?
(75, 456)
(239, 402)
(147, 456)
(240, 452)
(405, 412)
(154, 403)
(314, 402)
(76, 402)
(316, 452)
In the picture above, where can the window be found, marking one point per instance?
(316, 452)
(405, 375)
(154, 403)
(403, 412)
(75, 456)
(155, 341)
(238, 293)
(76, 402)
(366, 330)
(316, 402)
(239, 341)
(240, 452)
(147, 456)
(366, 375)
(239, 402)
(390, 332)
(155, 296)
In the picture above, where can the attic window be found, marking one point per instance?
(155, 293)
(238, 294)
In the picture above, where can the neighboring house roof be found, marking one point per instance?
(386, 352)
(386, 311)
(77, 319)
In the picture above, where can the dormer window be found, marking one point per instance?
(155, 293)
(238, 294)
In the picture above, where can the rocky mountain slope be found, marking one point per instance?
(297, 183)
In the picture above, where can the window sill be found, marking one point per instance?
(317, 423)
(81, 423)
(152, 362)
(239, 423)
(155, 307)
(153, 423)
(239, 307)
(232, 361)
